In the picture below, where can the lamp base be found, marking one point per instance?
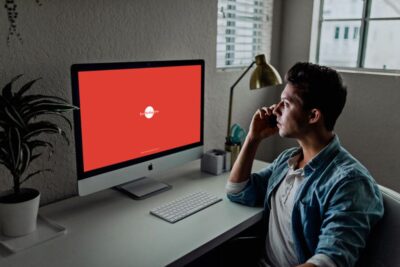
(234, 149)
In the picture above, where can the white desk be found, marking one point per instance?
(111, 229)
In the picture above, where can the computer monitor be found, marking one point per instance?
(136, 119)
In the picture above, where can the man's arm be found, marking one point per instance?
(241, 170)
(354, 209)
(260, 128)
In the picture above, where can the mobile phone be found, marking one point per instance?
(272, 120)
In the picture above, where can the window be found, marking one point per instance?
(359, 34)
(346, 32)
(244, 31)
(337, 32)
(355, 33)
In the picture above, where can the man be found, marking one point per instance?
(319, 201)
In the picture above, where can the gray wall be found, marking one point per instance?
(60, 33)
(369, 126)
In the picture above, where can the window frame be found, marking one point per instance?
(363, 32)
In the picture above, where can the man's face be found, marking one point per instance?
(292, 120)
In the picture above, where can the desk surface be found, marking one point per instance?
(110, 229)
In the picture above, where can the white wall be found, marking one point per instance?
(369, 125)
(60, 33)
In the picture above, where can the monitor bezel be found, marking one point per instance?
(81, 67)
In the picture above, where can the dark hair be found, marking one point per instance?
(319, 87)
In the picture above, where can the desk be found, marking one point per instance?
(110, 229)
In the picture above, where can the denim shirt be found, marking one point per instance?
(335, 207)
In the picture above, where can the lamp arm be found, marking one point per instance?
(228, 132)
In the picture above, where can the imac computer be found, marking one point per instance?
(136, 119)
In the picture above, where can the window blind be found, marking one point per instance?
(244, 31)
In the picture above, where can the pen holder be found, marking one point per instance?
(216, 161)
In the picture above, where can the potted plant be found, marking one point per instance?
(23, 126)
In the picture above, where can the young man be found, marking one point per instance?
(320, 203)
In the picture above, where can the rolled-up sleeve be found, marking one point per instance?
(321, 260)
(253, 193)
(234, 188)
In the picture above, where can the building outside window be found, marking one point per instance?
(359, 34)
(244, 31)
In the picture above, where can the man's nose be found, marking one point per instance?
(276, 110)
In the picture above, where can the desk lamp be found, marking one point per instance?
(264, 75)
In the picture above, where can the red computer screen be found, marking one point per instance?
(127, 114)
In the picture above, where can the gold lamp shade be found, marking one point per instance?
(264, 74)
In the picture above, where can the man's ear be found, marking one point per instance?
(315, 116)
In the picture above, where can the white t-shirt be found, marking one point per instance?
(279, 241)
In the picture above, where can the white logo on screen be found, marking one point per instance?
(149, 112)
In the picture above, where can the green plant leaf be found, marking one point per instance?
(4, 155)
(46, 131)
(35, 173)
(41, 125)
(46, 109)
(25, 158)
(35, 156)
(39, 143)
(14, 116)
(6, 164)
(3, 123)
(6, 92)
(25, 88)
(48, 106)
(3, 102)
(61, 116)
(37, 128)
(30, 101)
(3, 151)
(14, 145)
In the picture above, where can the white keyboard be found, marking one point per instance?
(183, 207)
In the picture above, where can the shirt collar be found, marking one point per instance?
(294, 160)
(324, 155)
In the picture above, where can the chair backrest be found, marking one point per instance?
(383, 247)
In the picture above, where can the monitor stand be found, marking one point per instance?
(143, 188)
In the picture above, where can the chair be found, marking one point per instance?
(383, 247)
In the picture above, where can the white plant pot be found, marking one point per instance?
(19, 218)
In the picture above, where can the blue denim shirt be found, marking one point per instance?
(335, 207)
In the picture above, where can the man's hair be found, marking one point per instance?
(319, 87)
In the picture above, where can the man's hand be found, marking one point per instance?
(261, 126)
